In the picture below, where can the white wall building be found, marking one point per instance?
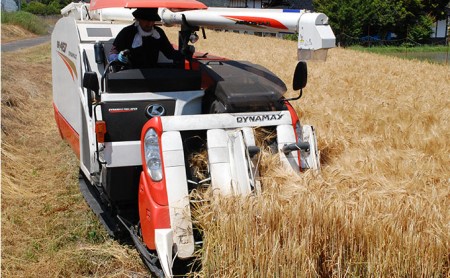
(9, 6)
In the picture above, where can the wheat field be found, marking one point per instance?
(378, 208)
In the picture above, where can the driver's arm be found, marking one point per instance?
(120, 43)
(113, 53)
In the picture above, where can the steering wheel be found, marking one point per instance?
(116, 65)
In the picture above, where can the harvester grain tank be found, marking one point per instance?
(135, 130)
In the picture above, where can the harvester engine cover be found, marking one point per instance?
(243, 86)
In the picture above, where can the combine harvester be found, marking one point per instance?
(135, 131)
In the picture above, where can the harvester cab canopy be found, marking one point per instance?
(170, 4)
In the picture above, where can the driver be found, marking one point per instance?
(140, 43)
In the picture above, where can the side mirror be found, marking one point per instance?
(90, 81)
(300, 76)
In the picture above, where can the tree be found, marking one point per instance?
(436, 8)
(39, 8)
(346, 17)
(409, 19)
(421, 31)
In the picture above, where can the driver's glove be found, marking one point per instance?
(123, 56)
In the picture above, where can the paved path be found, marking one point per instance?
(16, 45)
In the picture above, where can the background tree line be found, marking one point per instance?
(43, 7)
(409, 20)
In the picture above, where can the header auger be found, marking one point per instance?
(134, 130)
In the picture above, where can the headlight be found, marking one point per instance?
(153, 155)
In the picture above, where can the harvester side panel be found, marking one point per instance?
(125, 119)
(66, 77)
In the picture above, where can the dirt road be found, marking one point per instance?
(20, 44)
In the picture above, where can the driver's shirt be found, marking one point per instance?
(146, 55)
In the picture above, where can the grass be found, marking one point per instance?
(47, 228)
(382, 133)
(400, 49)
(432, 54)
(27, 21)
(379, 207)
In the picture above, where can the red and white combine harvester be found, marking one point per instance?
(135, 131)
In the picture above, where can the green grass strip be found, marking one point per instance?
(26, 20)
(400, 49)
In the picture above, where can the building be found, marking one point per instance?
(9, 6)
(441, 28)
